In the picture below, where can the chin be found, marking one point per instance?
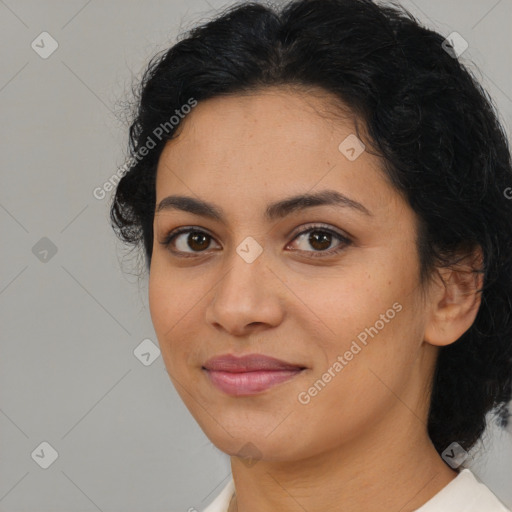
(255, 444)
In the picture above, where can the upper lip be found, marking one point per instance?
(248, 363)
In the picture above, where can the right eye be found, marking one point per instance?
(196, 239)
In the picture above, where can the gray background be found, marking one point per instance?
(71, 322)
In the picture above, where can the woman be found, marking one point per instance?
(321, 194)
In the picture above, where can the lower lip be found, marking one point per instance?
(249, 383)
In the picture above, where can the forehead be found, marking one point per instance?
(273, 143)
(277, 116)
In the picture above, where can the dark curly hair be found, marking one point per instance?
(435, 128)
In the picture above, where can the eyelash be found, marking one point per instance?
(318, 227)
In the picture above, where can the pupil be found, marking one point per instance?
(313, 239)
(195, 237)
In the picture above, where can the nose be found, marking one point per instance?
(247, 297)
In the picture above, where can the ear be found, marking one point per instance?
(454, 300)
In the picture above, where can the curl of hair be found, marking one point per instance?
(425, 114)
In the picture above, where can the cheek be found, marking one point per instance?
(365, 384)
(173, 305)
(158, 296)
(165, 307)
(167, 294)
(375, 325)
(343, 308)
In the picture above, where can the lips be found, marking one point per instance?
(250, 374)
(248, 363)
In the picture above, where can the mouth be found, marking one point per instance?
(250, 374)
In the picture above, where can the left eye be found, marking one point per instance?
(318, 237)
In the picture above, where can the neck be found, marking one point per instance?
(400, 471)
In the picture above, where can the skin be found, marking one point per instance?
(361, 444)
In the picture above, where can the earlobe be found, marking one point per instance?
(455, 299)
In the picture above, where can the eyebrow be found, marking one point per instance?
(277, 210)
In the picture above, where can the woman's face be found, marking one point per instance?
(348, 310)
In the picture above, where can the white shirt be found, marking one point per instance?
(463, 494)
